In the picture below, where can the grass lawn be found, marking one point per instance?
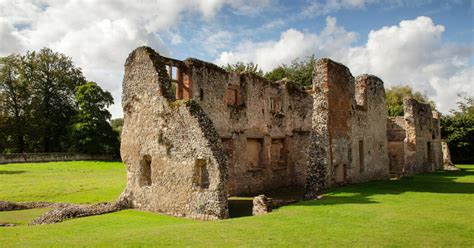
(430, 210)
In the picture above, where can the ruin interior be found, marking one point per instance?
(195, 135)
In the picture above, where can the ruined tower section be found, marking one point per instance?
(331, 147)
(369, 131)
(174, 158)
(422, 137)
(414, 139)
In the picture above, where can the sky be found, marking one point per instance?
(426, 44)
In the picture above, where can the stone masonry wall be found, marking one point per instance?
(341, 109)
(396, 135)
(319, 150)
(175, 161)
(419, 152)
(369, 131)
(415, 139)
(262, 126)
(349, 142)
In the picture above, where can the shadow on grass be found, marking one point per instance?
(11, 172)
(442, 182)
(436, 182)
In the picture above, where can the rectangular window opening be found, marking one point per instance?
(429, 154)
(278, 153)
(361, 155)
(254, 153)
(201, 174)
(145, 169)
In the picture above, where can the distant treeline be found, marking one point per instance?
(46, 105)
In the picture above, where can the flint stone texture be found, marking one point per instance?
(261, 205)
(414, 140)
(349, 142)
(69, 211)
(195, 134)
(174, 157)
(63, 211)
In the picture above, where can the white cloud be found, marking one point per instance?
(10, 41)
(98, 35)
(210, 7)
(292, 44)
(411, 53)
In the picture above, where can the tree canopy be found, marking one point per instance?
(394, 99)
(299, 71)
(458, 131)
(91, 131)
(244, 67)
(41, 95)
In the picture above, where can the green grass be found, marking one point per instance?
(72, 182)
(430, 210)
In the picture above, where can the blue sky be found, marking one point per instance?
(456, 16)
(427, 44)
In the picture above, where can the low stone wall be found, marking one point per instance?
(48, 157)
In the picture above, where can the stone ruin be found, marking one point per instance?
(195, 135)
(414, 140)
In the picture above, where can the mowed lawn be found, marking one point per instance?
(430, 210)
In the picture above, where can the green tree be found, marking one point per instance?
(91, 131)
(117, 125)
(15, 102)
(458, 131)
(299, 71)
(53, 79)
(244, 67)
(394, 99)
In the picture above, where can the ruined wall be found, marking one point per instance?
(195, 134)
(341, 106)
(419, 152)
(262, 126)
(369, 131)
(174, 158)
(298, 123)
(333, 105)
(415, 139)
(319, 151)
(349, 142)
(396, 135)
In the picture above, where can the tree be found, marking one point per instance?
(91, 131)
(117, 125)
(394, 99)
(53, 79)
(458, 131)
(45, 102)
(299, 71)
(15, 102)
(242, 67)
